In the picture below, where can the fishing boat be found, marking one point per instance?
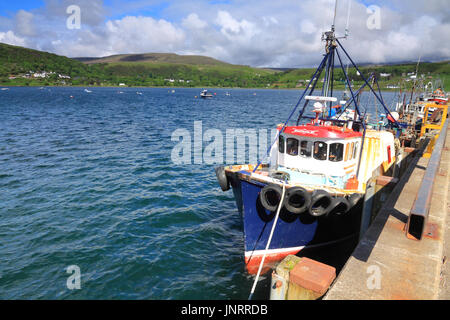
(205, 94)
(427, 94)
(308, 192)
(438, 96)
(87, 91)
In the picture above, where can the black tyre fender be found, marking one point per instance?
(354, 198)
(297, 200)
(320, 203)
(270, 197)
(339, 206)
(222, 178)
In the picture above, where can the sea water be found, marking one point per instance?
(87, 180)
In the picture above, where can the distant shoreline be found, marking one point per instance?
(157, 87)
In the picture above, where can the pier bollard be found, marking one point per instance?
(280, 278)
(301, 279)
(310, 280)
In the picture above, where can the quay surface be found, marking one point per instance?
(388, 265)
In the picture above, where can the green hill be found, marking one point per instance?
(27, 67)
(190, 75)
(156, 58)
(398, 74)
(18, 66)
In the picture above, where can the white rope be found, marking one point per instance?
(268, 242)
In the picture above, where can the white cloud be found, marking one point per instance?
(143, 34)
(24, 23)
(234, 29)
(269, 21)
(308, 27)
(127, 35)
(192, 21)
(252, 32)
(93, 12)
(10, 38)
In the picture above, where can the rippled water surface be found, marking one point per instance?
(89, 181)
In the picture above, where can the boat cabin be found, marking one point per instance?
(326, 151)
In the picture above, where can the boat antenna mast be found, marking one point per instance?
(330, 38)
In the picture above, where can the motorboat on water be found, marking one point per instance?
(205, 94)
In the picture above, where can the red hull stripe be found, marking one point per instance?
(253, 261)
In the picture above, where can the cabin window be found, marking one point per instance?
(350, 154)
(281, 144)
(292, 147)
(346, 151)
(305, 149)
(355, 151)
(336, 152)
(320, 150)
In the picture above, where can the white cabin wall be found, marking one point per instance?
(318, 166)
(273, 158)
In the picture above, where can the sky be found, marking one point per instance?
(259, 33)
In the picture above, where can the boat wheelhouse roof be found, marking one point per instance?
(333, 132)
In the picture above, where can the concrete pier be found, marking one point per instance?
(387, 264)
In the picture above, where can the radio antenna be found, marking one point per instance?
(334, 18)
(348, 18)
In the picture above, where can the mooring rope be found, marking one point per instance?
(268, 241)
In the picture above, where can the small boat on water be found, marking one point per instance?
(87, 91)
(205, 94)
(316, 172)
(4, 89)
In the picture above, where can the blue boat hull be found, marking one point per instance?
(292, 232)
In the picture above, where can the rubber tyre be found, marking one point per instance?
(222, 178)
(292, 203)
(339, 206)
(270, 197)
(320, 203)
(354, 199)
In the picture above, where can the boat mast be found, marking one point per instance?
(329, 48)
